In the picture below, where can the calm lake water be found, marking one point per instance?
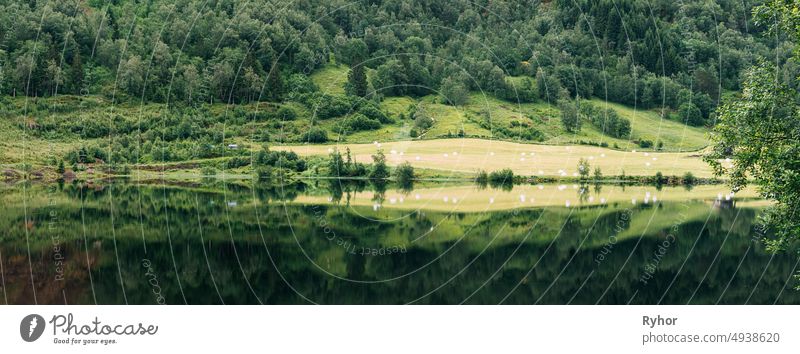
(328, 243)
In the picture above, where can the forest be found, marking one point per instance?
(682, 57)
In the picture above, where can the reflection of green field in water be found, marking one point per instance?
(471, 198)
(228, 243)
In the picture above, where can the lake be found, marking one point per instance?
(331, 242)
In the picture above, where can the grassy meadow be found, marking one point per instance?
(470, 155)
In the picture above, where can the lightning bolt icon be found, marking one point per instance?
(33, 325)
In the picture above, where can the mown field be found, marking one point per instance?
(471, 155)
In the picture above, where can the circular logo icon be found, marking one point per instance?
(31, 327)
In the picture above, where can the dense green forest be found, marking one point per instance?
(682, 57)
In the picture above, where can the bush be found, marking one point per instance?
(358, 122)
(607, 120)
(286, 113)
(689, 179)
(379, 169)
(482, 177)
(280, 159)
(569, 116)
(315, 135)
(659, 178)
(208, 171)
(404, 174)
(372, 112)
(644, 144)
(328, 106)
(690, 114)
(421, 120)
(583, 168)
(237, 161)
(503, 176)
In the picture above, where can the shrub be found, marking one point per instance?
(421, 119)
(688, 178)
(607, 120)
(598, 175)
(359, 122)
(280, 159)
(503, 176)
(404, 174)
(315, 135)
(482, 177)
(569, 116)
(690, 114)
(644, 144)
(286, 113)
(329, 106)
(583, 168)
(379, 169)
(372, 112)
(237, 161)
(208, 171)
(659, 178)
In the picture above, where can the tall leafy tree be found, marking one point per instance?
(357, 81)
(758, 137)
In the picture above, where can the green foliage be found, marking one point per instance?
(404, 174)
(326, 106)
(689, 178)
(236, 162)
(267, 58)
(357, 122)
(757, 137)
(287, 160)
(208, 171)
(315, 135)
(371, 111)
(659, 178)
(422, 121)
(379, 169)
(286, 113)
(357, 81)
(583, 168)
(690, 114)
(482, 178)
(569, 116)
(606, 120)
(504, 177)
(645, 144)
(340, 167)
(454, 92)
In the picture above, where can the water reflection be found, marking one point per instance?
(337, 242)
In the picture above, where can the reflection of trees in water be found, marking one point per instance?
(577, 235)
